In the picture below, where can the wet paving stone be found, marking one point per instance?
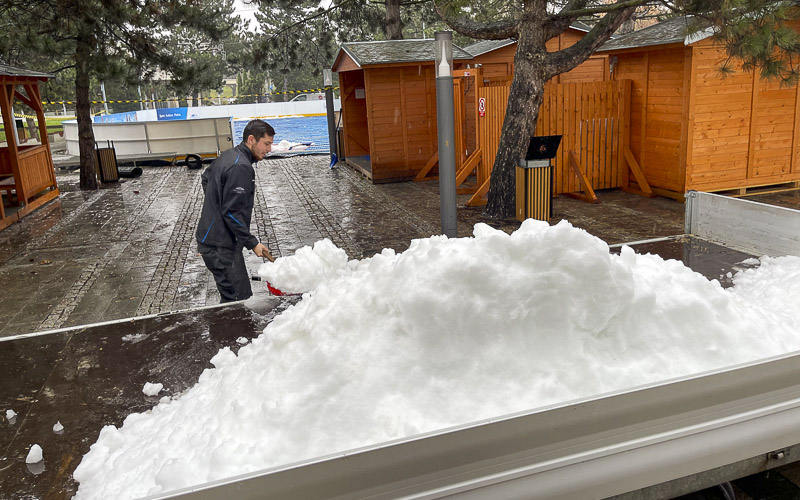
(128, 248)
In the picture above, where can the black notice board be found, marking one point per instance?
(543, 147)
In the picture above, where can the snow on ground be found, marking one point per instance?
(34, 455)
(445, 333)
(151, 389)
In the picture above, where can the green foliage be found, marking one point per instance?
(131, 43)
(757, 35)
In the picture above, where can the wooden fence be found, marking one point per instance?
(592, 118)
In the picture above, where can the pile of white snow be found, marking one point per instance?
(306, 269)
(448, 332)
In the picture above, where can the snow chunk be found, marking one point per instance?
(306, 269)
(58, 427)
(151, 389)
(242, 340)
(35, 455)
(10, 414)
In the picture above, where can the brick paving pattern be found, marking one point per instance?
(128, 248)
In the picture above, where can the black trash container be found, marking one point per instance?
(534, 196)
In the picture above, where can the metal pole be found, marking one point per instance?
(443, 41)
(327, 81)
(103, 90)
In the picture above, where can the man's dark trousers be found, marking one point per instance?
(227, 266)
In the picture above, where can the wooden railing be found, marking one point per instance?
(36, 170)
(591, 117)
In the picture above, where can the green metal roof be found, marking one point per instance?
(394, 51)
(674, 30)
(6, 70)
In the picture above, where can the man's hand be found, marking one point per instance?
(262, 251)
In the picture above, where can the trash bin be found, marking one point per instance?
(534, 197)
(107, 163)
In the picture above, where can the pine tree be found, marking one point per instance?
(754, 31)
(110, 40)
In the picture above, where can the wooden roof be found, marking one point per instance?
(13, 71)
(392, 51)
(667, 32)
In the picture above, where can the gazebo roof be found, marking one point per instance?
(394, 51)
(675, 30)
(6, 70)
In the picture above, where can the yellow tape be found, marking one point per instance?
(177, 99)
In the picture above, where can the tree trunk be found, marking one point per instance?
(519, 125)
(195, 98)
(394, 26)
(33, 130)
(285, 87)
(83, 113)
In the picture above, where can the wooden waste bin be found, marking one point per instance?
(534, 187)
(107, 163)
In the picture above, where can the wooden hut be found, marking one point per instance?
(496, 57)
(388, 95)
(27, 176)
(692, 129)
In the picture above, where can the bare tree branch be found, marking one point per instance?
(566, 59)
(498, 30)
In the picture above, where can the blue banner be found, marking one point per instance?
(171, 113)
(130, 116)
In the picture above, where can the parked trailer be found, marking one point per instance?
(654, 441)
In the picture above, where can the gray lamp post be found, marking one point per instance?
(443, 41)
(327, 81)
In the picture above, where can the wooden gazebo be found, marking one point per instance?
(27, 176)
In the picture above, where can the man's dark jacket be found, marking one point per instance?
(229, 186)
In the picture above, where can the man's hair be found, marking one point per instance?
(258, 129)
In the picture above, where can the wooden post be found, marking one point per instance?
(6, 98)
(403, 114)
(625, 133)
(33, 92)
(796, 131)
(645, 99)
(751, 150)
(687, 120)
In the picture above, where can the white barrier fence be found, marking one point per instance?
(203, 135)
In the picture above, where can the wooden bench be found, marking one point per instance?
(8, 185)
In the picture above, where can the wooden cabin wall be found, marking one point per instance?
(657, 107)
(354, 114)
(594, 69)
(500, 63)
(401, 108)
(744, 129)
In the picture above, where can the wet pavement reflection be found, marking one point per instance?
(91, 377)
